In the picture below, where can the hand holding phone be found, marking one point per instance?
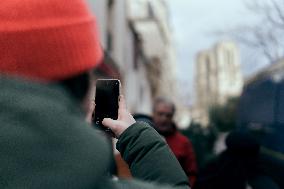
(125, 119)
(109, 104)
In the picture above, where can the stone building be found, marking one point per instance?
(137, 36)
(218, 77)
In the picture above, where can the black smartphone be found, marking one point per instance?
(106, 100)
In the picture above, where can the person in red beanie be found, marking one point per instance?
(49, 49)
(163, 112)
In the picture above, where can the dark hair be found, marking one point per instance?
(242, 143)
(143, 117)
(77, 86)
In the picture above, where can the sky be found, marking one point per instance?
(194, 24)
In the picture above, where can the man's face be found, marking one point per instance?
(162, 117)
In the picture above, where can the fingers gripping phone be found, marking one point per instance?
(106, 102)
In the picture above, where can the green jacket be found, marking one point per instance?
(46, 144)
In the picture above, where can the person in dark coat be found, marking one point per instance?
(48, 51)
(238, 167)
(144, 117)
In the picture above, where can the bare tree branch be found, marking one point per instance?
(276, 6)
(266, 35)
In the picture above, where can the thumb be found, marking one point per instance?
(116, 126)
(110, 123)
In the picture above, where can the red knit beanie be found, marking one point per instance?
(47, 40)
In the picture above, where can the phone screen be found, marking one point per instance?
(106, 100)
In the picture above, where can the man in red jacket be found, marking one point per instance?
(181, 146)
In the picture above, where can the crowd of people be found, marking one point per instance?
(49, 52)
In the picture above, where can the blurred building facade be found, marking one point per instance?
(137, 37)
(218, 77)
